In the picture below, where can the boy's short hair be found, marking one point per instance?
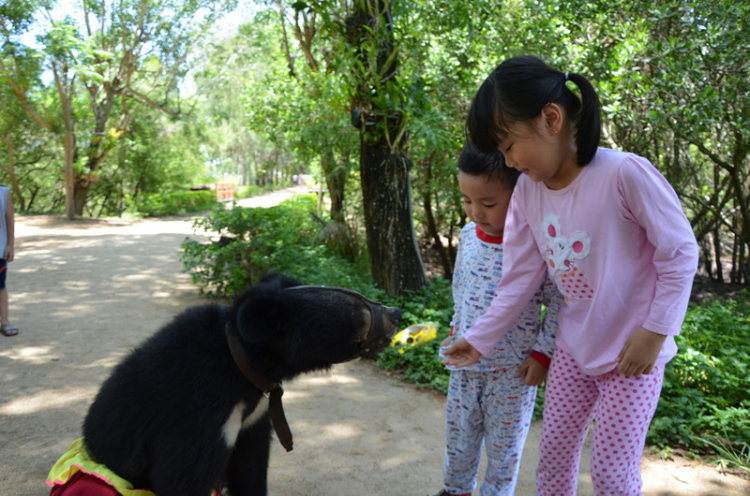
(490, 166)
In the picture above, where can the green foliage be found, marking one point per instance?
(728, 454)
(254, 241)
(250, 190)
(421, 364)
(434, 303)
(180, 202)
(704, 398)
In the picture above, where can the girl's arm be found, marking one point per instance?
(652, 202)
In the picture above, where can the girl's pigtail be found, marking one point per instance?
(588, 123)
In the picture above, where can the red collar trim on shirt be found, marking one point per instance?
(497, 240)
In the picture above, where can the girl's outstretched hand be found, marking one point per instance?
(461, 354)
(640, 352)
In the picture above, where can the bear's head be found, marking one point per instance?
(288, 328)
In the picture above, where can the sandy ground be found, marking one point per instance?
(84, 293)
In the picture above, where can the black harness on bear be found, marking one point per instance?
(271, 390)
(377, 322)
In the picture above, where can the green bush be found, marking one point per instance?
(421, 364)
(705, 395)
(254, 241)
(180, 202)
(250, 190)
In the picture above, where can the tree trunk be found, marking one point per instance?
(395, 262)
(65, 91)
(336, 183)
(70, 210)
(81, 195)
(718, 255)
(432, 228)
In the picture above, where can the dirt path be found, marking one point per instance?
(84, 293)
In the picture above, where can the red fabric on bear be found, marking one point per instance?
(83, 484)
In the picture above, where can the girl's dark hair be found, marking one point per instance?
(517, 91)
(491, 166)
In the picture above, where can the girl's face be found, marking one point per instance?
(486, 203)
(542, 149)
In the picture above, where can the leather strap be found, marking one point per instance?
(377, 321)
(271, 390)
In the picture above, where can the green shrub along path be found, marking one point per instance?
(84, 293)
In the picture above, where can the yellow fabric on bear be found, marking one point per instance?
(77, 458)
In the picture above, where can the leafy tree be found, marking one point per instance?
(23, 146)
(675, 89)
(447, 42)
(127, 57)
(707, 111)
(229, 64)
(378, 102)
(309, 88)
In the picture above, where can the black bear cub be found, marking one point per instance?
(191, 409)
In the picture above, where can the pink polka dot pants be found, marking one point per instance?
(623, 408)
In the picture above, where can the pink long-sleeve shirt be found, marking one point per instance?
(617, 243)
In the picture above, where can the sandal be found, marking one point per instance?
(8, 330)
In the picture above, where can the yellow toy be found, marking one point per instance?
(414, 335)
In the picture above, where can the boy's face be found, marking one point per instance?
(485, 202)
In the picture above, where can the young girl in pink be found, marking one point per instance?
(612, 234)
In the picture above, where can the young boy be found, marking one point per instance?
(492, 401)
(7, 240)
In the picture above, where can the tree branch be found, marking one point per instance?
(21, 94)
(147, 101)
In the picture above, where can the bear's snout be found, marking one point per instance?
(393, 315)
(381, 333)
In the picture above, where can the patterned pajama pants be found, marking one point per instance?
(623, 407)
(490, 408)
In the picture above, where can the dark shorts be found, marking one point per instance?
(3, 272)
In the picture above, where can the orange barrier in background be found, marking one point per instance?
(224, 191)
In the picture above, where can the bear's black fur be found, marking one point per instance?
(178, 417)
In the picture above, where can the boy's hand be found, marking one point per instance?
(640, 352)
(533, 372)
(446, 342)
(461, 354)
(9, 253)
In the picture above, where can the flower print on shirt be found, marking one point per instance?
(562, 253)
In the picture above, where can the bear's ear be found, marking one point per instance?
(274, 280)
(261, 316)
